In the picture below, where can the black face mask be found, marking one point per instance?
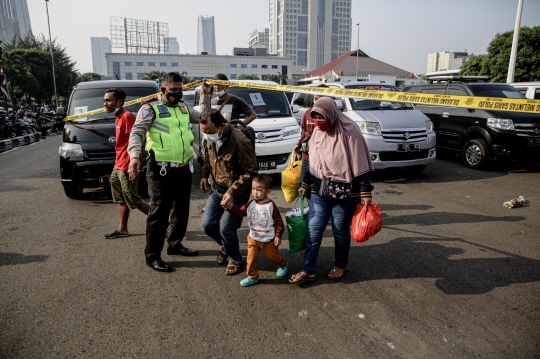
(174, 97)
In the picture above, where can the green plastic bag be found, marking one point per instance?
(297, 228)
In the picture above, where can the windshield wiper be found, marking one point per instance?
(101, 119)
(270, 115)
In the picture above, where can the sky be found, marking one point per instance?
(399, 32)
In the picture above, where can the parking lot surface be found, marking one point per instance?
(452, 274)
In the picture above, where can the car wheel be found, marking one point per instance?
(475, 154)
(415, 169)
(73, 192)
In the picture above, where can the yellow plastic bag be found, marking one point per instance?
(290, 178)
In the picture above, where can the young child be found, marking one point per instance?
(265, 229)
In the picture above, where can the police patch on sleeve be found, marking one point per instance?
(145, 112)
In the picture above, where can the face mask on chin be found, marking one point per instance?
(174, 97)
(221, 93)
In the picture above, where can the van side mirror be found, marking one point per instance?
(339, 104)
(295, 108)
(60, 112)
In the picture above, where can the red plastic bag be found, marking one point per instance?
(366, 224)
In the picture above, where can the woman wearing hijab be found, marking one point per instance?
(338, 178)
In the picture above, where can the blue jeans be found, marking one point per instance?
(320, 211)
(222, 226)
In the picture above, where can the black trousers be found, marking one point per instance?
(169, 201)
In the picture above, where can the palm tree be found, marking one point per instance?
(14, 65)
(154, 75)
(185, 78)
(248, 77)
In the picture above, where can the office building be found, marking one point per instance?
(445, 60)
(14, 20)
(311, 32)
(259, 40)
(206, 35)
(174, 48)
(133, 66)
(100, 47)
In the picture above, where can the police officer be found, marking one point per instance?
(166, 122)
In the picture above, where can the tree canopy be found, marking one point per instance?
(89, 76)
(27, 63)
(495, 63)
(277, 77)
(248, 77)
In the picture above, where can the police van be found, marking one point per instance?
(396, 134)
(276, 129)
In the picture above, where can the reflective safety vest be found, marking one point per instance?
(170, 136)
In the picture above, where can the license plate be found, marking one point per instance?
(104, 181)
(408, 147)
(534, 142)
(267, 165)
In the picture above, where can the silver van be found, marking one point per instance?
(397, 135)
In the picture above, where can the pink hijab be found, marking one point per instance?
(341, 153)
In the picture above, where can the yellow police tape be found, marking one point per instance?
(469, 102)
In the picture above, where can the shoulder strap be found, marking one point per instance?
(224, 103)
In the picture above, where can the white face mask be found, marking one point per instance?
(116, 110)
(221, 93)
(213, 137)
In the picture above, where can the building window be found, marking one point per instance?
(335, 26)
(174, 64)
(274, 66)
(162, 64)
(264, 66)
(334, 56)
(244, 66)
(151, 64)
(116, 70)
(253, 66)
(284, 71)
(127, 63)
(301, 58)
(302, 23)
(302, 41)
(129, 76)
(140, 64)
(233, 76)
(140, 76)
(233, 65)
(335, 43)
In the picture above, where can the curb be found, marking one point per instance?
(10, 143)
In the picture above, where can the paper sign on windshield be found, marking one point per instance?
(257, 99)
(79, 110)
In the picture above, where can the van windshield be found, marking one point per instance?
(264, 103)
(368, 104)
(504, 91)
(85, 100)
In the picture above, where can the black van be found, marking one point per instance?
(481, 135)
(87, 153)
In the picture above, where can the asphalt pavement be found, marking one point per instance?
(452, 274)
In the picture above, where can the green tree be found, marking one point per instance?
(89, 76)
(495, 63)
(185, 78)
(154, 75)
(277, 77)
(248, 77)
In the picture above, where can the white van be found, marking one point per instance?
(531, 90)
(276, 129)
(397, 135)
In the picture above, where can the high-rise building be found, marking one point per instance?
(312, 32)
(206, 35)
(100, 46)
(14, 20)
(445, 60)
(174, 48)
(259, 39)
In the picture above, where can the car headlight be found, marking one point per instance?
(70, 150)
(500, 123)
(370, 128)
(429, 127)
(291, 131)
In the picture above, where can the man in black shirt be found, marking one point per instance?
(231, 106)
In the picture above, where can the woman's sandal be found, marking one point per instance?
(233, 268)
(222, 257)
(301, 278)
(336, 273)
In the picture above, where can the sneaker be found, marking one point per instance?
(282, 271)
(246, 282)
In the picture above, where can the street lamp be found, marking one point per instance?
(357, 48)
(52, 57)
(515, 40)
